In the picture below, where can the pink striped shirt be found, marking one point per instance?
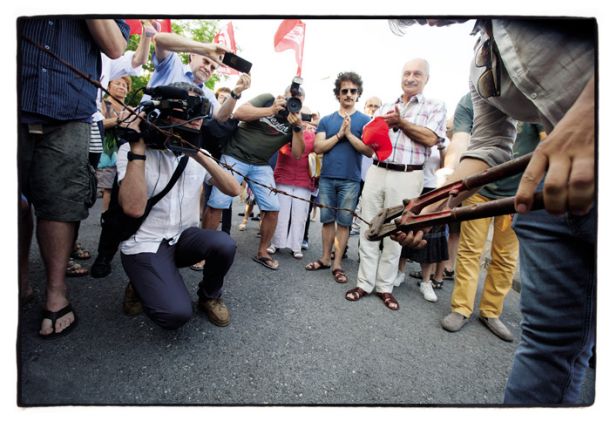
(423, 112)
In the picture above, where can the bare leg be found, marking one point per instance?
(452, 243)
(267, 227)
(341, 238)
(55, 240)
(26, 225)
(106, 199)
(211, 218)
(328, 237)
(426, 271)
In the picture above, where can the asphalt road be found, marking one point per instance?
(293, 340)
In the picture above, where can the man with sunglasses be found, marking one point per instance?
(542, 71)
(339, 138)
(416, 124)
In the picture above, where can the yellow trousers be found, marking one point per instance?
(500, 272)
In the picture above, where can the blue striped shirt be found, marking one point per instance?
(50, 90)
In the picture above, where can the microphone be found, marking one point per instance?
(167, 92)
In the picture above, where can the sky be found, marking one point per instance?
(365, 46)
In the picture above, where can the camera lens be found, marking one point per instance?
(293, 105)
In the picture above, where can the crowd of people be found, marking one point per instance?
(518, 102)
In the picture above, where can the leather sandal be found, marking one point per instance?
(355, 294)
(388, 300)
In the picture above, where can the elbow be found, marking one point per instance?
(134, 211)
(232, 188)
(317, 149)
(117, 49)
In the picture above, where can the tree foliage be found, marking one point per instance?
(196, 29)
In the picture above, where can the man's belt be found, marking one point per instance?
(398, 167)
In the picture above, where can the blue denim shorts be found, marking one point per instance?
(338, 193)
(266, 200)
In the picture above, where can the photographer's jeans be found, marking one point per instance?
(558, 294)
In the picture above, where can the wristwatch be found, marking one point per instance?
(134, 156)
(296, 129)
(235, 96)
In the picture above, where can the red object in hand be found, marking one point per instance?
(375, 135)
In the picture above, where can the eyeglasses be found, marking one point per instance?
(489, 82)
(352, 91)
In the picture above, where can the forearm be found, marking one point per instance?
(323, 144)
(132, 190)
(221, 178)
(359, 145)
(107, 36)
(248, 112)
(226, 109)
(419, 134)
(169, 42)
(298, 144)
(140, 56)
(457, 146)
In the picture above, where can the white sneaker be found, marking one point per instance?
(400, 278)
(427, 291)
(271, 249)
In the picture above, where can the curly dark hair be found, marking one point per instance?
(348, 77)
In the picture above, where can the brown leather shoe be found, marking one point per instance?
(216, 310)
(131, 303)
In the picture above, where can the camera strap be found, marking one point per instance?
(179, 170)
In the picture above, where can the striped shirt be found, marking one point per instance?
(49, 89)
(422, 112)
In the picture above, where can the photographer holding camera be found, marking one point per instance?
(266, 124)
(169, 238)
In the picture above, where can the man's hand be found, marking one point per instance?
(295, 119)
(136, 143)
(568, 157)
(344, 127)
(242, 84)
(347, 124)
(392, 118)
(278, 105)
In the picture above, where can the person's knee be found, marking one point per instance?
(226, 248)
(174, 317)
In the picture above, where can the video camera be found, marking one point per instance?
(158, 131)
(293, 104)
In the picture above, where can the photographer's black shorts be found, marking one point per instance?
(54, 170)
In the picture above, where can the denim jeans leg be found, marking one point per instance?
(558, 293)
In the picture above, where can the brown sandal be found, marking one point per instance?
(317, 265)
(340, 276)
(355, 294)
(388, 300)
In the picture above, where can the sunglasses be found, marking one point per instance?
(352, 91)
(489, 82)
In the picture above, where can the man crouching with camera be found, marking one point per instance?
(169, 238)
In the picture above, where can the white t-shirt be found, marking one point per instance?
(176, 211)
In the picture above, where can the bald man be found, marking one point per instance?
(416, 124)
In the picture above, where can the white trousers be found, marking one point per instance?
(382, 189)
(292, 210)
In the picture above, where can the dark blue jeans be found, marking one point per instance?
(156, 278)
(558, 301)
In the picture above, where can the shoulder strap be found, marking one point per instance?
(179, 170)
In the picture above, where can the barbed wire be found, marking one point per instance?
(133, 113)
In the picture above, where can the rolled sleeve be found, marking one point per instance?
(493, 133)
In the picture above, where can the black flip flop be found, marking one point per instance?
(53, 316)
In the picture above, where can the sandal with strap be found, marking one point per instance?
(339, 275)
(436, 284)
(80, 253)
(74, 270)
(389, 300)
(53, 316)
(317, 265)
(355, 294)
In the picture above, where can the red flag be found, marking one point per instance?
(135, 26)
(291, 36)
(226, 38)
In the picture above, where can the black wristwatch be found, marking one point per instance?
(133, 156)
(296, 129)
(235, 96)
